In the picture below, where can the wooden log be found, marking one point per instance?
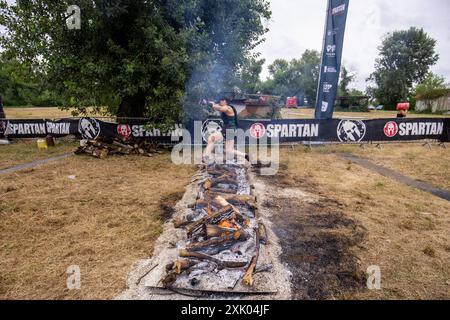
(208, 184)
(170, 266)
(169, 279)
(123, 146)
(221, 200)
(215, 172)
(224, 241)
(221, 264)
(224, 203)
(213, 231)
(222, 190)
(224, 212)
(249, 201)
(181, 223)
(184, 264)
(248, 277)
(240, 198)
(203, 204)
(209, 211)
(99, 153)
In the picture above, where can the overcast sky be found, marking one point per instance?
(297, 25)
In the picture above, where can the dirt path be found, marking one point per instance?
(444, 194)
(316, 240)
(34, 163)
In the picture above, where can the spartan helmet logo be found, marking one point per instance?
(257, 131)
(351, 131)
(89, 128)
(391, 129)
(211, 127)
(124, 130)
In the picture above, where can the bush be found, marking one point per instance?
(433, 94)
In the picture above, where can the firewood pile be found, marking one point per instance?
(223, 236)
(102, 149)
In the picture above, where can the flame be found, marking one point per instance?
(228, 225)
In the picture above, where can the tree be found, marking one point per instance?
(432, 87)
(405, 59)
(251, 75)
(346, 79)
(2, 112)
(137, 57)
(19, 89)
(295, 77)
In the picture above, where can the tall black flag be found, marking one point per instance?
(331, 58)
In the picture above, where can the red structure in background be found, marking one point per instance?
(403, 106)
(291, 102)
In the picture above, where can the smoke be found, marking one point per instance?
(210, 79)
(215, 52)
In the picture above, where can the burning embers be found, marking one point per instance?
(223, 237)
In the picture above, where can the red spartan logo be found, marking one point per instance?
(257, 130)
(124, 130)
(391, 129)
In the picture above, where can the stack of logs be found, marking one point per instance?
(222, 220)
(103, 149)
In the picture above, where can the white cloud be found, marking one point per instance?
(297, 25)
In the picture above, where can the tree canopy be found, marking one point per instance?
(346, 79)
(405, 59)
(432, 87)
(295, 77)
(137, 57)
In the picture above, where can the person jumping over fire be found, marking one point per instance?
(230, 121)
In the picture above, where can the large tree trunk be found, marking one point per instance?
(2, 112)
(132, 106)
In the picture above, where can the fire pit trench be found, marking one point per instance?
(217, 243)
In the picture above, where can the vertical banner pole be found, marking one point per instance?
(330, 67)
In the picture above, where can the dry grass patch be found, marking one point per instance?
(309, 114)
(42, 113)
(36, 113)
(23, 151)
(413, 160)
(406, 229)
(431, 165)
(103, 221)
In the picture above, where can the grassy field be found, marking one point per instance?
(41, 113)
(103, 221)
(23, 151)
(309, 114)
(405, 230)
(36, 113)
(55, 113)
(110, 215)
(429, 164)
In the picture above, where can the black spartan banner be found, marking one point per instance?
(285, 131)
(331, 58)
